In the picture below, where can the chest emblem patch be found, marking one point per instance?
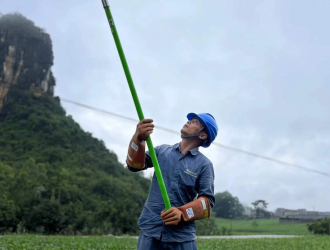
(187, 171)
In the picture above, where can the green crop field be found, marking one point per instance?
(31, 242)
(262, 226)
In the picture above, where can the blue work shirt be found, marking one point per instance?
(185, 177)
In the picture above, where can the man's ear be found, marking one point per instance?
(202, 136)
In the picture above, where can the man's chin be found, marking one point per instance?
(184, 132)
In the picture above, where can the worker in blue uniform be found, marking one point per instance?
(189, 179)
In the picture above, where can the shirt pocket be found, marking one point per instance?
(187, 177)
(187, 181)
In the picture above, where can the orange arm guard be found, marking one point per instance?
(136, 153)
(196, 210)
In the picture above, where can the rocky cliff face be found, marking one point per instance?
(26, 58)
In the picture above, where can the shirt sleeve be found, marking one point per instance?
(205, 183)
(148, 161)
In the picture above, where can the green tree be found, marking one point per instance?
(260, 206)
(227, 206)
(320, 226)
(208, 227)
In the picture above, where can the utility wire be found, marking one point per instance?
(214, 143)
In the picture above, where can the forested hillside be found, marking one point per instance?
(54, 177)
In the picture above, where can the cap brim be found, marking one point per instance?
(191, 116)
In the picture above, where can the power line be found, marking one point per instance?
(214, 143)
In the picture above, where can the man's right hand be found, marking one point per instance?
(144, 129)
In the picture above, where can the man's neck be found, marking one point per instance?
(188, 144)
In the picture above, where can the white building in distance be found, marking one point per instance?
(300, 214)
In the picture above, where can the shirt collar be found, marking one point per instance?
(193, 151)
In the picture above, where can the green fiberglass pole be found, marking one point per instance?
(137, 103)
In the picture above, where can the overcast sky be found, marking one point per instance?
(261, 68)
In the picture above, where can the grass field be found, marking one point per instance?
(31, 242)
(264, 226)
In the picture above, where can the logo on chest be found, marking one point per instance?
(191, 173)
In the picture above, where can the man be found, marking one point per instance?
(189, 179)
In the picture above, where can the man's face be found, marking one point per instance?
(191, 127)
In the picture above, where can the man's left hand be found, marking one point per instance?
(171, 216)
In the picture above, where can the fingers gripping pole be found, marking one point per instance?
(137, 103)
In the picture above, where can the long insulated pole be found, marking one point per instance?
(137, 103)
